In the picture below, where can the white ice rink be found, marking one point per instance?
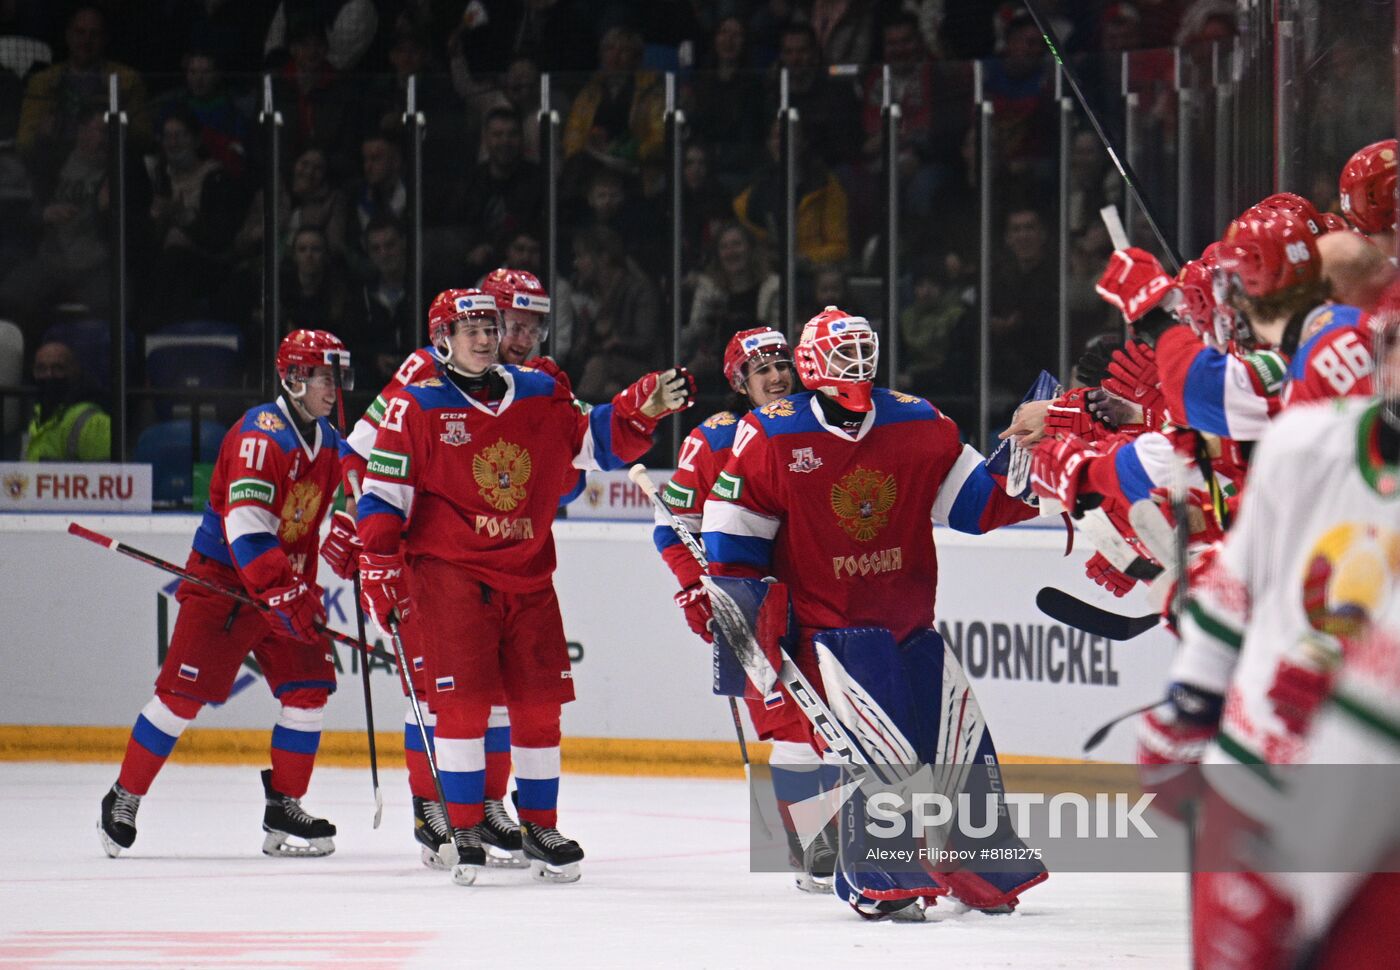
(665, 884)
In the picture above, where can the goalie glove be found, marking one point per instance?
(383, 592)
(694, 602)
(295, 609)
(342, 547)
(654, 396)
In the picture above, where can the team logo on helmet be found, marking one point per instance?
(721, 420)
(299, 511)
(501, 471)
(16, 485)
(269, 422)
(781, 408)
(862, 501)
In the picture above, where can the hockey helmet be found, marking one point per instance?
(518, 289)
(747, 346)
(1367, 188)
(1298, 206)
(301, 351)
(449, 306)
(837, 353)
(1266, 250)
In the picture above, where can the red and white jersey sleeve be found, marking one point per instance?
(704, 453)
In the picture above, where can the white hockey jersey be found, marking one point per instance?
(1311, 563)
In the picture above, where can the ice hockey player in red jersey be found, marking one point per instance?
(276, 473)
(833, 491)
(461, 488)
(758, 366)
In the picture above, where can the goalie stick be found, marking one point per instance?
(354, 483)
(1059, 605)
(83, 532)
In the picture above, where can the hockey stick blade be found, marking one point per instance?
(1095, 739)
(1059, 605)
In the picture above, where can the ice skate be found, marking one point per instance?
(434, 837)
(553, 857)
(818, 864)
(892, 910)
(117, 827)
(285, 819)
(471, 857)
(500, 836)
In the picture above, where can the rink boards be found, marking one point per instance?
(84, 631)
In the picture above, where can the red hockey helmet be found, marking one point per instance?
(1298, 206)
(449, 306)
(1267, 250)
(1196, 308)
(517, 289)
(301, 351)
(1134, 282)
(747, 346)
(1331, 222)
(1367, 188)
(839, 351)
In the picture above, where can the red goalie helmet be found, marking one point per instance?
(303, 350)
(1267, 250)
(839, 351)
(747, 346)
(1367, 188)
(449, 306)
(516, 289)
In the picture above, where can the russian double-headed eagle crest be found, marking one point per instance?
(781, 408)
(862, 500)
(903, 398)
(269, 422)
(501, 470)
(299, 511)
(720, 420)
(16, 485)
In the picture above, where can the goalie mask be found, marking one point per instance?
(753, 348)
(837, 354)
(453, 307)
(302, 351)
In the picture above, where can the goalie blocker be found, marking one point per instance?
(898, 708)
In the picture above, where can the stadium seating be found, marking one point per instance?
(166, 447)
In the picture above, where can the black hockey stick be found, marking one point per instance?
(1059, 605)
(83, 532)
(1093, 740)
(1124, 168)
(354, 483)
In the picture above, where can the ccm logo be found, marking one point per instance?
(379, 575)
(288, 596)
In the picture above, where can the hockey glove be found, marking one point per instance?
(1134, 282)
(1069, 415)
(1298, 690)
(1178, 730)
(654, 396)
(296, 609)
(550, 367)
(383, 592)
(1057, 469)
(1132, 377)
(342, 547)
(1102, 572)
(694, 601)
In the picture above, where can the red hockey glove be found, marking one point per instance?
(654, 396)
(1178, 730)
(342, 547)
(1298, 690)
(1101, 571)
(1134, 282)
(1057, 469)
(694, 601)
(1200, 513)
(551, 368)
(383, 592)
(1132, 377)
(296, 609)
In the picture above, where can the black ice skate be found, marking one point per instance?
(815, 866)
(470, 855)
(433, 835)
(553, 857)
(117, 827)
(500, 836)
(284, 819)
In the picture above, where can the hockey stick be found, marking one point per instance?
(1124, 168)
(402, 660)
(354, 482)
(82, 532)
(1120, 555)
(638, 474)
(1093, 740)
(1061, 606)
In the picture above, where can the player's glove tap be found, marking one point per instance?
(342, 547)
(296, 609)
(1057, 469)
(383, 592)
(654, 396)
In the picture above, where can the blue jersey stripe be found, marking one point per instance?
(371, 504)
(249, 547)
(664, 537)
(600, 421)
(1132, 477)
(1205, 393)
(748, 550)
(976, 492)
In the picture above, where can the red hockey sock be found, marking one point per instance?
(295, 739)
(497, 754)
(153, 737)
(535, 744)
(415, 756)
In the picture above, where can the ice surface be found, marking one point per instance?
(665, 884)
